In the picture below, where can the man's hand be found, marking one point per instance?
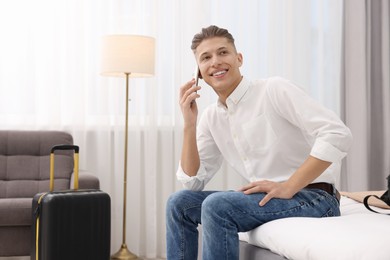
(187, 96)
(273, 190)
(305, 174)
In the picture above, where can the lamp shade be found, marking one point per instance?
(133, 54)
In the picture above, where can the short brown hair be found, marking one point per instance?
(210, 32)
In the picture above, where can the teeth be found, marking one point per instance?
(219, 73)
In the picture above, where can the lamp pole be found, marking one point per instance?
(124, 253)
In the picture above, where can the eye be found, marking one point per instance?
(223, 52)
(205, 58)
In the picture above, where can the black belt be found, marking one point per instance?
(325, 187)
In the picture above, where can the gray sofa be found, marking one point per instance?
(24, 172)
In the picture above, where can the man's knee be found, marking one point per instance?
(177, 200)
(215, 204)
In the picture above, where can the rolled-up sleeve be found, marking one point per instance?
(327, 152)
(196, 182)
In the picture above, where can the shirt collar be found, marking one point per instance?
(235, 97)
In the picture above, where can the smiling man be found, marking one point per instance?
(286, 145)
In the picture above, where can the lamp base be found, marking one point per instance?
(124, 254)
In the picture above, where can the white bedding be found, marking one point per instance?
(356, 234)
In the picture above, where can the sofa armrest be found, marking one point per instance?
(86, 180)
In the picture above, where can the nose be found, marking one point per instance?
(215, 61)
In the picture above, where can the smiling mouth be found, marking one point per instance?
(219, 73)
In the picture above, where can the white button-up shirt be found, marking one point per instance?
(268, 129)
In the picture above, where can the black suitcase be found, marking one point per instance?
(73, 224)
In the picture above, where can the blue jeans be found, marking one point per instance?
(224, 214)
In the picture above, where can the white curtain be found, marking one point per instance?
(49, 79)
(366, 109)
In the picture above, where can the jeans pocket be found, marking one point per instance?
(334, 207)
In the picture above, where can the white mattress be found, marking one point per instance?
(356, 234)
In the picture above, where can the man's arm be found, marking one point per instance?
(190, 161)
(332, 142)
(189, 155)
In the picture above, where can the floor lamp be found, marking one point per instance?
(127, 56)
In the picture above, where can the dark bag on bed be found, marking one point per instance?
(385, 197)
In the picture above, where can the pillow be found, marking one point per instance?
(357, 234)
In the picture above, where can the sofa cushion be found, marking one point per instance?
(15, 212)
(31, 142)
(28, 188)
(15, 241)
(25, 162)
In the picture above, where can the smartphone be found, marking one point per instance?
(196, 75)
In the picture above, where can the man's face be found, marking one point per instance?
(219, 64)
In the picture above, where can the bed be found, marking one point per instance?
(357, 234)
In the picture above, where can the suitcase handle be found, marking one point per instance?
(76, 163)
(65, 147)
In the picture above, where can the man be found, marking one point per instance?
(286, 145)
